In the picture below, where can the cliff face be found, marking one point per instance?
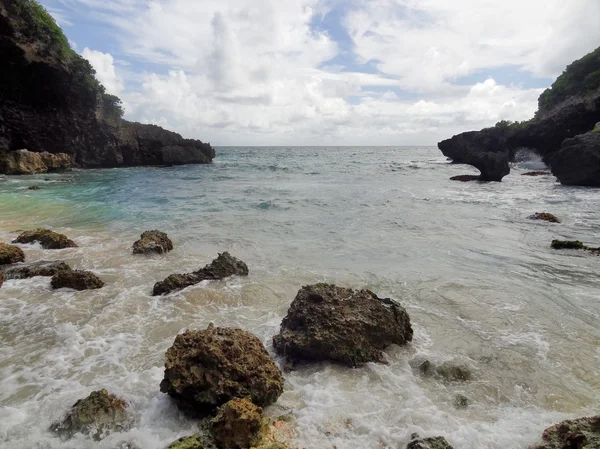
(571, 107)
(50, 101)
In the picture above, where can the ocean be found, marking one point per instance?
(478, 278)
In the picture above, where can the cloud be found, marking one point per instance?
(104, 65)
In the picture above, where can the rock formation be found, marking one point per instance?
(46, 238)
(352, 327)
(77, 280)
(578, 160)
(43, 268)
(23, 162)
(97, 415)
(222, 267)
(205, 369)
(52, 102)
(153, 242)
(10, 254)
(544, 216)
(237, 425)
(582, 433)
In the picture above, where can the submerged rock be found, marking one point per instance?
(47, 239)
(582, 433)
(428, 443)
(544, 216)
(153, 242)
(192, 442)
(10, 254)
(205, 369)
(567, 244)
(536, 173)
(238, 425)
(453, 373)
(33, 188)
(578, 161)
(465, 178)
(77, 280)
(461, 401)
(352, 327)
(44, 268)
(222, 267)
(97, 415)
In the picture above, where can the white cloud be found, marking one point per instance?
(104, 65)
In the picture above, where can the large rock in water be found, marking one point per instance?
(353, 327)
(222, 267)
(44, 268)
(46, 238)
(153, 242)
(10, 254)
(205, 369)
(77, 280)
(97, 415)
(578, 161)
(583, 433)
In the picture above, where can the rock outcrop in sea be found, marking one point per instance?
(47, 238)
(30, 270)
(10, 254)
(352, 327)
(237, 425)
(52, 102)
(582, 433)
(153, 242)
(563, 131)
(77, 280)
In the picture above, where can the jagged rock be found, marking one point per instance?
(428, 443)
(44, 268)
(582, 433)
(10, 254)
(352, 327)
(578, 161)
(59, 162)
(153, 242)
(192, 442)
(238, 425)
(222, 267)
(24, 162)
(536, 173)
(567, 244)
(77, 280)
(205, 369)
(97, 415)
(47, 239)
(465, 178)
(544, 216)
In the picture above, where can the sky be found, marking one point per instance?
(328, 72)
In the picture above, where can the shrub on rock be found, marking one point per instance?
(352, 327)
(153, 242)
(47, 238)
(77, 280)
(97, 415)
(238, 425)
(10, 254)
(205, 369)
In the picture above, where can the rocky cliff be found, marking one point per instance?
(570, 108)
(51, 101)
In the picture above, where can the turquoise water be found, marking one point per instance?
(479, 280)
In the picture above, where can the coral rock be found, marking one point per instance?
(238, 425)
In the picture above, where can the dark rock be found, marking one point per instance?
(193, 442)
(536, 173)
(77, 280)
(352, 327)
(582, 433)
(153, 242)
(1, 278)
(10, 254)
(465, 178)
(544, 216)
(97, 415)
(578, 161)
(428, 443)
(222, 267)
(567, 244)
(44, 268)
(238, 425)
(33, 188)
(205, 369)
(47, 239)
(453, 373)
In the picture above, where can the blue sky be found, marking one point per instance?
(395, 72)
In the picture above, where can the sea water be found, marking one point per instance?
(478, 278)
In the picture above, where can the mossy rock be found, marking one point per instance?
(10, 254)
(191, 442)
(582, 433)
(153, 242)
(544, 216)
(98, 415)
(77, 280)
(46, 238)
(237, 425)
(567, 244)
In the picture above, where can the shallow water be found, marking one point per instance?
(479, 280)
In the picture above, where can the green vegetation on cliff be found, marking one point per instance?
(579, 78)
(41, 35)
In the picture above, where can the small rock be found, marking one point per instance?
(193, 442)
(453, 373)
(466, 178)
(416, 442)
(47, 238)
(207, 368)
(352, 327)
(461, 401)
(33, 188)
(238, 425)
(536, 173)
(44, 268)
(1, 278)
(222, 267)
(582, 433)
(10, 254)
(97, 415)
(77, 280)
(153, 242)
(544, 216)
(567, 244)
